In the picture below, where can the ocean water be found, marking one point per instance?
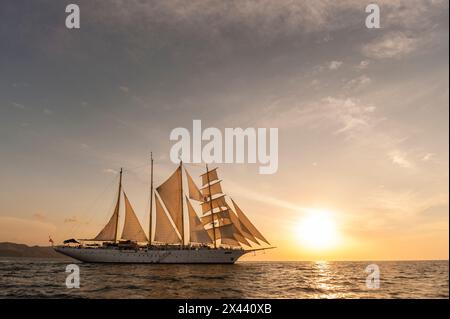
(38, 278)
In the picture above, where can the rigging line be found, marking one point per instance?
(90, 206)
(135, 168)
(137, 177)
(194, 164)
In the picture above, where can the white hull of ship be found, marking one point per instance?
(153, 256)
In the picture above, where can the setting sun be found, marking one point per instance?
(318, 230)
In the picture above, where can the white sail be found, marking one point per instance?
(108, 233)
(194, 192)
(197, 231)
(246, 222)
(211, 176)
(229, 234)
(164, 231)
(215, 203)
(215, 189)
(220, 218)
(242, 228)
(170, 193)
(224, 226)
(237, 234)
(241, 239)
(132, 229)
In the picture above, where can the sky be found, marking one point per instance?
(362, 116)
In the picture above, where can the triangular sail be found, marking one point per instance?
(170, 193)
(164, 231)
(238, 235)
(241, 239)
(108, 233)
(132, 229)
(197, 231)
(246, 222)
(194, 192)
(242, 228)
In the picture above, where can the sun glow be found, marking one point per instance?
(318, 230)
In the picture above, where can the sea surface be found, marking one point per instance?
(39, 278)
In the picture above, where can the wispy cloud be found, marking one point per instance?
(18, 105)
(328, 66)
(364, 64)
(399, 158)
(334, 65)
(351, 114)
(265, 198)
(428, 156)
(39, 216)
(125, 89)
(110, 171)
(344, 113)
(358, 82)
(392, 45)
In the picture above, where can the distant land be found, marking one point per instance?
(21, 250)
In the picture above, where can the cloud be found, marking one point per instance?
(351, 114)
(110, 171)
(341, 115)
(391, 45)
(20, 85)
(18, 105)
(39, 216)
(334, 65)
(124, 89)
(399, 158)
(427, 157)
(264, 198)
(224, 25)
(48, 111)
(364, 64)
(358, 82)
(267, 16)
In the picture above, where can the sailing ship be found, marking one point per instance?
(222, 233)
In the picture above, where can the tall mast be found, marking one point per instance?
(118, 205)
(151, 200)
(211, 206)
(181, 203)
